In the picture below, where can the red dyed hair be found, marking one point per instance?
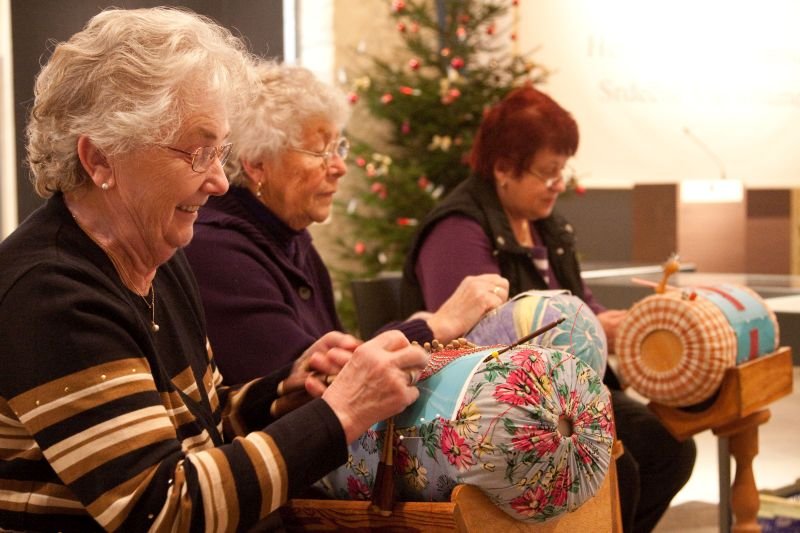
(517, 127)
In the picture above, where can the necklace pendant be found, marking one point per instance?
(154, 327)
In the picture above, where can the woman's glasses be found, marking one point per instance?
(340, 148)
(552, 179)
(203, 157)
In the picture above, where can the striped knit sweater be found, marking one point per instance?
(93, 431)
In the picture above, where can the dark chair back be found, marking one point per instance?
(377, 302)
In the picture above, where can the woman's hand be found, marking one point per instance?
(610, 320)
(377, 382)
(321, 361)
(473, 298)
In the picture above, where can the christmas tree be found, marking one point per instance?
(456, 59)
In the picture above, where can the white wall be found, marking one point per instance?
(637, 74)
(290, 31)
(316, 46)
(8, 168)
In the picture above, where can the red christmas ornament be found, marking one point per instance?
(398, 6)
(405, 127)
(490, 29)
(401, 27)
(379, 189)
(445, 52)
(359, 248)
(387, 98)
(457, 63)
(360, 161)
(580, 190)
(405, 221)
(461, 33)
(353, 97)
(451, 96)
(413, 64)
(423, 182)
(408, 91)
(414, 27)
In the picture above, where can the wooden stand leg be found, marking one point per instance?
(724, 467)
(724, 474)
(743, 435)
(740, 407)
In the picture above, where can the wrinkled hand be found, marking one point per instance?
(378, 382)
(610, 320)
(324, 358)
(473, 298)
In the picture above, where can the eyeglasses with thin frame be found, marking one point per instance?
(203, 157)
(339, 147)
(551, 180)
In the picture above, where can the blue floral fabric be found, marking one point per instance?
(531, 427)
(581, 334)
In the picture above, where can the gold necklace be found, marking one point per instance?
(152, 306)
(126, 280)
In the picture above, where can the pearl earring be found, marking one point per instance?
(104, 186)
(258, 189)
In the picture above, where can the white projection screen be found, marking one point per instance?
(669, 91)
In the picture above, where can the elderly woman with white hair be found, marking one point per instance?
(112, 411)
(265, 288)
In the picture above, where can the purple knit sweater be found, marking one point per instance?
(266, 292)
(472, 256)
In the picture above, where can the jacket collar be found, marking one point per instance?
(485, 196)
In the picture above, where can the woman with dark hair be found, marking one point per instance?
(503, 222)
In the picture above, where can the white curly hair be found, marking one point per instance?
(287, 98)
(128, 80)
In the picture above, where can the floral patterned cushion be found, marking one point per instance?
(532, 428)
(581, 334)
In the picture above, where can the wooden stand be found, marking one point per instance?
(740, 407)
(469, 511)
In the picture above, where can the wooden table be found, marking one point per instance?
(734, 416)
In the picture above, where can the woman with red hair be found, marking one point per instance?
(501, 220)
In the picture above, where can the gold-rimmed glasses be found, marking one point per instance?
(339, 147)
(552, 179)
(203, 157)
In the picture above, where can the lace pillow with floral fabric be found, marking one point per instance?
(531, 427)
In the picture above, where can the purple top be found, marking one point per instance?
(267, 294)
(472, 255)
